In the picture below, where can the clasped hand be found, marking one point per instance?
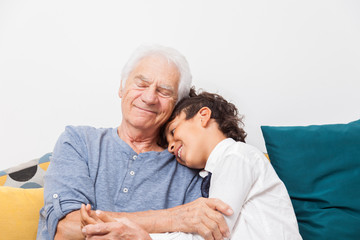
(202, 216)
(99, 225)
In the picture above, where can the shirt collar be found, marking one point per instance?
(203, 173)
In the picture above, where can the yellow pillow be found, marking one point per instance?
(19, 212)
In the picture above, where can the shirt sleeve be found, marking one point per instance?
(67, 181)
(231, 182)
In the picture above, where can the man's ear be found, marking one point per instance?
(205, 116)
(120, 90)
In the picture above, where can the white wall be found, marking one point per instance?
(281, 62)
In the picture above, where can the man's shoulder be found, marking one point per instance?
(83, 131)
(86, 129)
(84, 134)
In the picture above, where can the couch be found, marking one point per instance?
(21, 198)
(319, 164)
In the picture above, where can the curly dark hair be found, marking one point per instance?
(223, 112)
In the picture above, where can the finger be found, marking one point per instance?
(220, 206)
(82, 210)
(211, 225)
(96, 229)
(204, 232)
(85, 217)
(104, 217)
(83, 214)
(92, 214)
(217, 217)
(97, 237)
(218, 226)
(88, 208)
(214, 229)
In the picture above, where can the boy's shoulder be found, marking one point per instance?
(243, 150)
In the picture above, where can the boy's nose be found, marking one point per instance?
(171, 147)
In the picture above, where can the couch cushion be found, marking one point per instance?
(19, 210)
(26, 175)
(320, 166)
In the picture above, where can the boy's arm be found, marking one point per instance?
(231, 182)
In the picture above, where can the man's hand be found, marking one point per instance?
(202, 216)
(87, 216)
(110, 228)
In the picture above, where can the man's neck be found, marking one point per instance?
(139, 140)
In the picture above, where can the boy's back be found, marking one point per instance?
(244, 178)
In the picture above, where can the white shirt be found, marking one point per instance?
(243, 178)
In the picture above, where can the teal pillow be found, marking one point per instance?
(320, 166)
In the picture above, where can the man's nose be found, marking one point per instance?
(149, 96)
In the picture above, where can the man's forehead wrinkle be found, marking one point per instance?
(164, 86)
(142, 77)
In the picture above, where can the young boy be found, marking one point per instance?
(203, 132)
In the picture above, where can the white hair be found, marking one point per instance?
(171, 55)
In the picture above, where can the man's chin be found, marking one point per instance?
(145, 125)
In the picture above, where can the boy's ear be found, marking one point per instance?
(205, 116)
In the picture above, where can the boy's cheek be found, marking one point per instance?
(181, 162)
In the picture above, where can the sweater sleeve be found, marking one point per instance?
(67, 181)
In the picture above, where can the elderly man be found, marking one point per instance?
(124, 171)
